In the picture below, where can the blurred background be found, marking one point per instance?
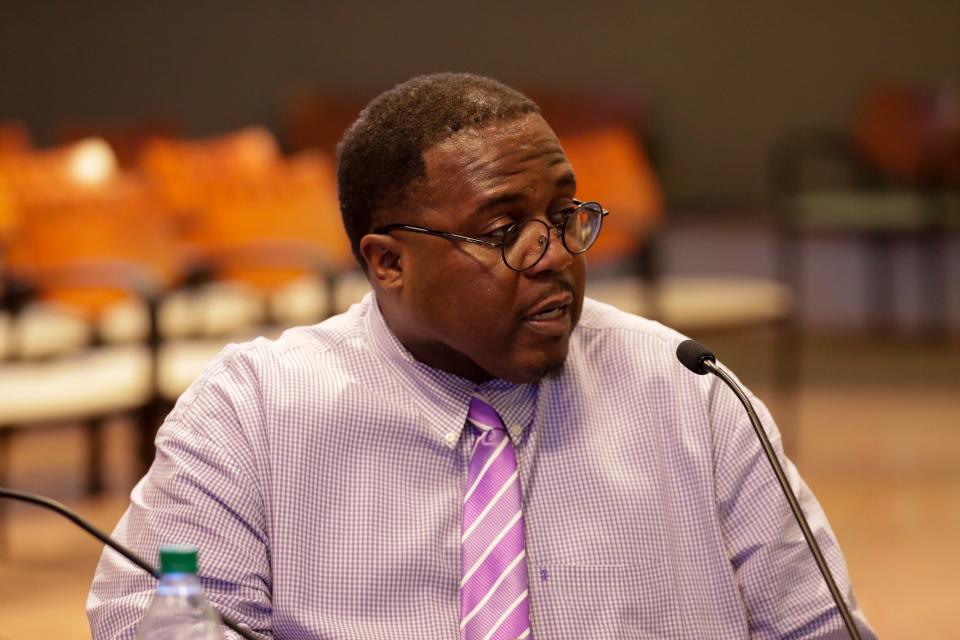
(784, 182)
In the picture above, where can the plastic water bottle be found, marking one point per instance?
(179, 610)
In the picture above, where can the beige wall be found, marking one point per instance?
(722, 78)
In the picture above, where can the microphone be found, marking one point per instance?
(56, 507)
(693, 355)
(700, 360)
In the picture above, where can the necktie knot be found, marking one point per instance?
(484, 417)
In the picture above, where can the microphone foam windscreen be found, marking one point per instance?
(691, 354)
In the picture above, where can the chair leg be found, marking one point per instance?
(4, 472)
(880, 285)
(95, 483)
(149, 419)
(788, 350)
(331, 282)
(788, 365)
(933, 286)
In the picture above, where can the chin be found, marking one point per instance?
(530, 372)
(548, 369)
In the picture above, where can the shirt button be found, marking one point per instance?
(516, 430)
(450, 437)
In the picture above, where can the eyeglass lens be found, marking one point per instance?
(528, 241)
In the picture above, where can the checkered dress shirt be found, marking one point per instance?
(321, 477)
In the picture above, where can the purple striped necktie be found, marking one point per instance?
(494, 600)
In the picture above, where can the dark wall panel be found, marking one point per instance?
(722, 80)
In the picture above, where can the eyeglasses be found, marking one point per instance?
(524, 243)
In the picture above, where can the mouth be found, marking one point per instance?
(550, 316)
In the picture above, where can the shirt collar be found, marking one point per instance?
(443, 398)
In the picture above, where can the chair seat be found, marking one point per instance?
(220, 309)
(350, 289)
(42, 330)
(91, 383)
(698, 303)
(217, 309)
(862, 211)
(302, 301)
(182, 361)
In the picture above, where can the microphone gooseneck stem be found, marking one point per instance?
(55, 506)
(712, 367)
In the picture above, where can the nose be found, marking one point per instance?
(556, 258)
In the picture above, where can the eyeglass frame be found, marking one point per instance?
(560, 227)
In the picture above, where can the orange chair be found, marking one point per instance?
(126, 138)
(317, 121)
(612, 168)
(243, 208)
(892, 177)
(288, 214)
(187, 173)
(86, 238)
(265, 230)
(599, 134)
(910, 137)
(14, 138)
(9, 215)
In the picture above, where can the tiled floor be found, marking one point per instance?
(876, 433)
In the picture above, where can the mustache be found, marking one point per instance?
(553, 289)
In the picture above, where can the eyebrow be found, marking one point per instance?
(567, 180)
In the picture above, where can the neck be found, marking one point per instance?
(432, 353)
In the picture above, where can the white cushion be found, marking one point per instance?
(303, 301)
(91, 383)
(350, 289)
(216, 309)
(42, 330)
(182, 361)
(699, 303)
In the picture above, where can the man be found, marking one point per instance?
(474, 451)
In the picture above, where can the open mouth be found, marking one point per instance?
(550, 313)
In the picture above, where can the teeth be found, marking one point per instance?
(549, 315)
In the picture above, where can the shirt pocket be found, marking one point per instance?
(630, 601)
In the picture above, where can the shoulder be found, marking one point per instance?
(335, 342)
(606, 330)
(258, 371)
(620, 355)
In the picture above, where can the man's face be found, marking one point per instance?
(460, 308)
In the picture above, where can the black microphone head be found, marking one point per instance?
(692, 355)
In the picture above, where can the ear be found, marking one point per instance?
(383, 255)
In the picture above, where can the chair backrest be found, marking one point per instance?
(612, 168)
(14, 138)
(9, 215)
(599, 133)
(183, 169)
(31, 179)
(83, 228)
(318, 120)
(126, 138)
(911, 136)
(278, 226)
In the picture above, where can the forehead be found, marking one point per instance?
(520, 157)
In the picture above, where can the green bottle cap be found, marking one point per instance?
(178, 559)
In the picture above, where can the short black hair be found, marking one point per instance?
(381, 153)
